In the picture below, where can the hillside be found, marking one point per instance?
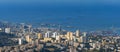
(5, 41)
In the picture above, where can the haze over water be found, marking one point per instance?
(83, 14)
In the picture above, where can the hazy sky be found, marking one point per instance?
(60, 1)
(79, 12)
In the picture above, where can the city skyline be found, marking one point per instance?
(59, 26)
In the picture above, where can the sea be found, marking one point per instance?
(87, 16)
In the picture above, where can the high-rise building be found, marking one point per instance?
(29, 28)
(84, 34)
(7, 30)
(81, 39)
(0, 29)
(27, 38)
(20, 41)
(22, 28)
(57, 38)
(55, 34)
(74, 39)
(77, 33)
(47, 34)
(69, 35)
(84, 37)
(39, 35)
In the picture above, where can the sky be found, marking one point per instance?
(79, 12)
(60, 1)
(56, 3)
(49, 6)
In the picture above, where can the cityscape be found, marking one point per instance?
(59, 26)
(23, 37)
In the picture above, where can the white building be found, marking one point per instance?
(7, 30)
(20, 41)
(84, 34)
(77, 33)
(47, 34)
(55, 34)
(81, 39)
(82, 45)
(84, 37)
(57, 37)
(74, 38)
(93, 45)
(0, 29)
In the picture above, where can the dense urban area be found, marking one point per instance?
(21, 37)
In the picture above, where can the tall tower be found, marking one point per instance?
(27, 38)
(81, 39)
(39, 35)
(84, 34)
(20, 41)
(47, 34)
(57, 37)
(29, 28)
(84, 37)
(77, 33)
(22, 28)
(0, 29)
(69, 35)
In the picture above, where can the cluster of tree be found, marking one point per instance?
(5, 41)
